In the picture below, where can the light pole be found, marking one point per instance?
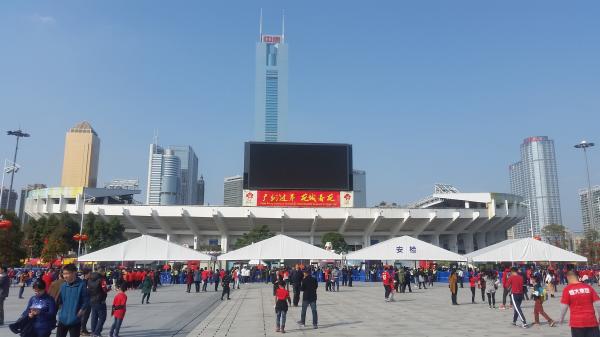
(528, 204)
(7, 169)
(83, 200)
(19, 134)
(585, 145)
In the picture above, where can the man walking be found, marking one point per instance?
(515, 283)
(4, 288)
(97, 289)
(581, 299)
(309, 298)
(296, 282)
(198, 274)
(73, 302)
(225, 281)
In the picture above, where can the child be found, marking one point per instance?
(539, 295)
(282, 298)
(118, 310)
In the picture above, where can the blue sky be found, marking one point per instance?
(427, 92)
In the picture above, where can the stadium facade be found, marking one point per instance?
(460, 222)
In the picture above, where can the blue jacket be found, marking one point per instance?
(73, 297)
(45, 321)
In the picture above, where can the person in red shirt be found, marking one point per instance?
(387, 280)
(47, 277)
(515, 283)
(204, 276)
(472, 283)
(581, 299)
(282, 299)
(118, 310)
(505, 289)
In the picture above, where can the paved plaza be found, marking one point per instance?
(356, 311)
(361, 311)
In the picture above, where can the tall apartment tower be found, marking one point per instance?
(271, 86)
(82, 153)
(232, 191)
(585, 208)
(535, 178)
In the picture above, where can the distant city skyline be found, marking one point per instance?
(448, 96)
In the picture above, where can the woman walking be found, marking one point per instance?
(539, 296)
(472, 282)
(41, 308)
(491, 285)
(481, 284)
(23, 278)
(282, 299)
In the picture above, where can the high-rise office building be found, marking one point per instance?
(172, 176)
(585, 208)
(200, 191)
(271, 86)
(24, 191)
(8, 201)
(82, 153)
(535, 178)
(188, 193)
(360, 188)
(233, 188)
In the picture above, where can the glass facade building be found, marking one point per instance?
(535, 178)
(172, 176)
(271, 97)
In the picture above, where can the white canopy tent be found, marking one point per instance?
(279, 247)
(405, 248)
(145, 248)
(527, 249)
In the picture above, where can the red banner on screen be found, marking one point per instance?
(298, 198)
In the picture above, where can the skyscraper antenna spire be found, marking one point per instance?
(155, 137)
(260, 25)
(283, 25)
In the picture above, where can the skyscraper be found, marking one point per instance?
(360, 188)
(585, 208)
(271, 86)
(200, 191)
(82, 153)
(172, 176)
(233, 190)
(535, 178)
(188, 194)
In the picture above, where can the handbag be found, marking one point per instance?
(23, 327)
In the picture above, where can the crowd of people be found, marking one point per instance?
(67, 300)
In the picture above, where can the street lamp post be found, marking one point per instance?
(83, 200)
(585, 145)
(19, 134)
(528, 204)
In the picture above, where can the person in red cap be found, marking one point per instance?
(581, 299)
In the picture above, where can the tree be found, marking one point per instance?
(11, 242)
(38, 233)
(555, 235)
(590, 246)
(258, 233)
(103, 233)
(338, 243)
(55, 244)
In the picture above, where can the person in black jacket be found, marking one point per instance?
(309, 297)
(97, 290)
(296, 282)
